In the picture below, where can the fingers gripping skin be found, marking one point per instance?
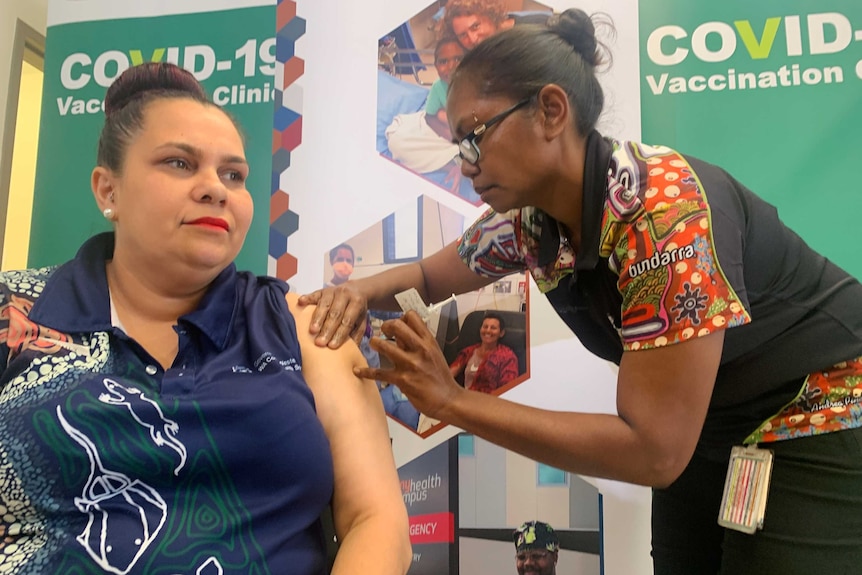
(420, 370)
(339, 315)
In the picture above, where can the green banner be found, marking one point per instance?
(770, 91)
(232, 52)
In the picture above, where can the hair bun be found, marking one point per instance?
(576, 28)
(151, 76)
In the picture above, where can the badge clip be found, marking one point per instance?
(743, 504)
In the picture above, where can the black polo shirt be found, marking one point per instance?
(672, 248)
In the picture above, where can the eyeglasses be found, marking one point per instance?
(468, 147)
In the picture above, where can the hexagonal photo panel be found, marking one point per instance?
(414, 64)
(483, 334)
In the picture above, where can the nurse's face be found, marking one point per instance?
(507, 169)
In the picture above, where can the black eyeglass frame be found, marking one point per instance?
(468, 147)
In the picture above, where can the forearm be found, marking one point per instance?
(596, 445)
(380, 289)
(435, 277)
(364, 551)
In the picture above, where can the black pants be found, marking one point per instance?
(813, 521)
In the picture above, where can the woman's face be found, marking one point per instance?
(510, 164)
(181, 197)
(490, 332)
(472, 29)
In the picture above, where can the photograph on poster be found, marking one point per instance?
(483, 334)
(486, 344)
(414, 64)
(477, 508)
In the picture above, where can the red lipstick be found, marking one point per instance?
(213, 222)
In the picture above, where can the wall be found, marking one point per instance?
(32, 12)
(22, 180)
(340, 186)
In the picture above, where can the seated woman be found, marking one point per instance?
(163, 412)
(487, 365)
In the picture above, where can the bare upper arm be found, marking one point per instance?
(663, 394)
(339, 395)
(338, 361)
(351, 412)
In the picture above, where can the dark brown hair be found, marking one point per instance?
(445, 40)
(127, 98)
(518, 62)
(491, 9)
(495, 315)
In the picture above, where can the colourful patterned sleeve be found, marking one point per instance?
(672, 285)
(19, 290)
(490, 246)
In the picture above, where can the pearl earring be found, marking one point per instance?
(108, 213)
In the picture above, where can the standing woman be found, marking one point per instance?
(727, 328)
(161, 412)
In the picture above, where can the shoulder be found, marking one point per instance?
(505, 352)
(492, 226)
(251, 281)
(652, 180)
(646, 168)
(313, 355)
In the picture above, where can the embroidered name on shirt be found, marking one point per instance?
(267, 358)
(659, 259)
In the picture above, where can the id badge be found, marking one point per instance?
(743, 504)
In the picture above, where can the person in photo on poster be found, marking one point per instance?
(472, 21)
(537, 548)
(176, 413)
(447, 55)
(488, 365)
(341, 260)
(728, 329)
(421, 141)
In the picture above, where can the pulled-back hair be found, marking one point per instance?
(127, 98)
(518, 62)
(491, 9)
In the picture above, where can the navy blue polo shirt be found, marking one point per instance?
(218, 464)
